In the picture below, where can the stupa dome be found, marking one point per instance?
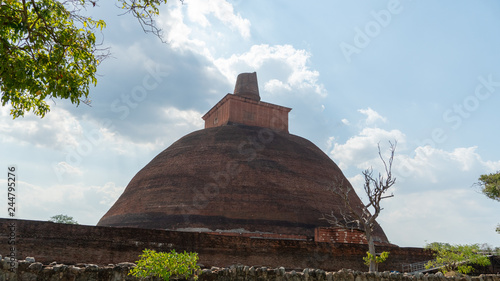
(233, 176)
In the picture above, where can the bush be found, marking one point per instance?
(456, 257)
(166, 265)
(378, 259)
(63, 219)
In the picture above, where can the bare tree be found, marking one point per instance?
(375, 189)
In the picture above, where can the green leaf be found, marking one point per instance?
(456, 257)
(48, 50)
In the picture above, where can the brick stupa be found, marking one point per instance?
(243, 173)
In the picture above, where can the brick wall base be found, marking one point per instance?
(72, 244)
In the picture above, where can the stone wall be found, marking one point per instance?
(71, 244)
(91, 272)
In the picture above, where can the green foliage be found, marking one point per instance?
(490, 185)
(166, 265)
(63, 219)
(456, 257)
(48, 50)
(378, 259)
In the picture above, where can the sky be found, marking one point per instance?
(355, 73)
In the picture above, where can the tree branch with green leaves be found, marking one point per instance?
(490, 186)
(48, 50)
(459, 258)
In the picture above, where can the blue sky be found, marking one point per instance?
(424, 73)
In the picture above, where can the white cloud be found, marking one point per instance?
(345, 121)
(195, 33)
(85, 203)
(179, 34)
(425, 164)
(357, 183)
(434, 198)
(274, 85)
(361, 150)
(330, 143)
(437, 216)
(291, 62)
(189, 29)
(184, 121)
(137, 58)
(372, 116)
(172, 124)
(63, 169)
(432, 165)
(184, 118)
(78, 142)
(198, 10)
(56, 130)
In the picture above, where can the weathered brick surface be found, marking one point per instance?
(72, 244)
(341, 235)
(230, 178)
(243, 173)
(264, 235)
(240, 110)
(247, 86)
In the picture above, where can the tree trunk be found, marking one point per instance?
(371, 249)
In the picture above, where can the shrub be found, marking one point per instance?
(166, 265)
(63, 219)
(378, 259)
(456, 257)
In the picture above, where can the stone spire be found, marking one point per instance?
(246, 86)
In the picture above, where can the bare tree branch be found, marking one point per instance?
(375, 189)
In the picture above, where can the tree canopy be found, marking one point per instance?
(490, 185)
(63, 219)
(456, 257)
(48, 50)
